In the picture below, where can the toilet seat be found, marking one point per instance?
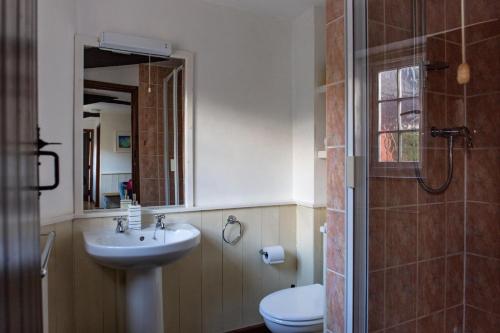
(295, 323)
(300, 306)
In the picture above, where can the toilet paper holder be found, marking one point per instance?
(272, 255)
(232, 220)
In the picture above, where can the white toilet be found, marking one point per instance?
(294, 310)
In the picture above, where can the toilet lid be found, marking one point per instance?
(295, 304)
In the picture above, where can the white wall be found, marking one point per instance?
(56, 30)
(320, 105)
(243, 123)
(303, 106)
(308, 109)
(111, 161)
(309, 173)
(128, 75)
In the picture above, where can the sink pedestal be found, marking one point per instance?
(144, 301)
(142, 253)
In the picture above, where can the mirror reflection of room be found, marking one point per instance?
(129, 101)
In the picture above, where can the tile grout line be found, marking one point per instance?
(336, 273)
(483, 40)
(334, 83)
(335, 19)
(418, 256)
(422, 261)
(464, 276)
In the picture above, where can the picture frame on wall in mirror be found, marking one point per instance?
(123, 142)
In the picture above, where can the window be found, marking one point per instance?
(398, 110)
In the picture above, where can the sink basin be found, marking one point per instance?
(141, 248)
(141, 253)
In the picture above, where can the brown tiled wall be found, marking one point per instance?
(482, 275)
(151, 135)
(417, 240)
(335, 114)
(150, 158)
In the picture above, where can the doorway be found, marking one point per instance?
(110, 166)
(88, 168)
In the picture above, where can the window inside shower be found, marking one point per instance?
(398, 111)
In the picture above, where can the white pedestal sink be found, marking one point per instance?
(142, 253)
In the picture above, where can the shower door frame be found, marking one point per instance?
(357, 151)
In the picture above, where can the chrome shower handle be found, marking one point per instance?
(452, 132)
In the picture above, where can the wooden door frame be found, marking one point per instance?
(91, 161)
(134, 106)
(97, 202)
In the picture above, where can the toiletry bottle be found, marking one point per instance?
(134, 215)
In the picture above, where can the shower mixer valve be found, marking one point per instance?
(453, 132)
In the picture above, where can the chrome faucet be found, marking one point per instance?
(120, 224)
(160, 221)
(160, 224)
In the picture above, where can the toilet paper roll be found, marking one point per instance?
(273, 255)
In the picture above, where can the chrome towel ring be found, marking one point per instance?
(230, 221)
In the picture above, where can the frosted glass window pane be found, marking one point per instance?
(388, 85)
(409, 114)
(388, 116)
(409, 81)
(409, 147)
(388, 147)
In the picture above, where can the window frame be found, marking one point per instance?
(399, 169)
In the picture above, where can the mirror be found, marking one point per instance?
(133, 123)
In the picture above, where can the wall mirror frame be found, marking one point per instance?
(83, 41)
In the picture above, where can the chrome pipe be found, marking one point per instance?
(166, 158)
(176, 139)
(449, 177)
(47, 249)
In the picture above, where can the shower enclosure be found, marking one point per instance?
(424, 142)
(172, 146)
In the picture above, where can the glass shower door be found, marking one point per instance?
(412, 150)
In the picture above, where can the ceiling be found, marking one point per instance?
(106, 107)
(284, 9)
(100, 106)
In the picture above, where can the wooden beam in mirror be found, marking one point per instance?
(95, 57)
